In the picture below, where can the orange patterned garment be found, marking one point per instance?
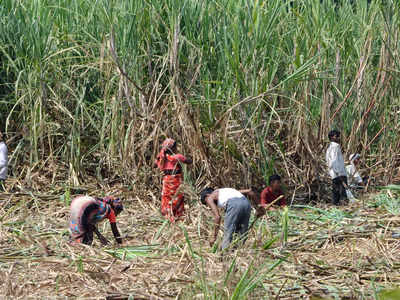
(172, 204)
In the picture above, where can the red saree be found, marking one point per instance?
(172, 204)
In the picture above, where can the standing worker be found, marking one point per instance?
(237, 212)
(336, 168)
(170, 164)
(3, 162)
(87, 211)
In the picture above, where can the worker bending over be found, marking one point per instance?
(237, 212)
(87, 211)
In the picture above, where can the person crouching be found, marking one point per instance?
(272, 192)
(353, 176)
(87, 211)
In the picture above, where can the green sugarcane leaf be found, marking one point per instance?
(270, 242)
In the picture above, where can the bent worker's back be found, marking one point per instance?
(85, 212)
(237, 214)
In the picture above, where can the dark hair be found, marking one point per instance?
(117, 209)
(333, 133)
(273, 178)
(169, 150)
(118, 206)
(256, 189)
(204, 193)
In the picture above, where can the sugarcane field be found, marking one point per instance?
(195, 149)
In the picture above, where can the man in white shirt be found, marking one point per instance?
(237, 211)
(353, 177)
(336, 167)
(3, 162)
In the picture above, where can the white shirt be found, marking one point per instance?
(3, 161)
(225, 194)
(353, 176)
(335, 161)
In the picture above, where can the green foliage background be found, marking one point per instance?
(247, 87)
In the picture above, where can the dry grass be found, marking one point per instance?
(347, 253)
(90, 91)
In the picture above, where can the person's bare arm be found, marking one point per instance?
(253, 197)
(217, 218)
(345, 185)
(246, 191)
(183, 159)
(115, 232)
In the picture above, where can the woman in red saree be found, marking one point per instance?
(172, 203)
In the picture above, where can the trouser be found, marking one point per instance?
(237, 216)
(338, 189)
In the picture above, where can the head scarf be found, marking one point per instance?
(354, 157)
(168, 144)
(115, 202)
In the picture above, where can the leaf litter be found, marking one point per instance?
(323, 251)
